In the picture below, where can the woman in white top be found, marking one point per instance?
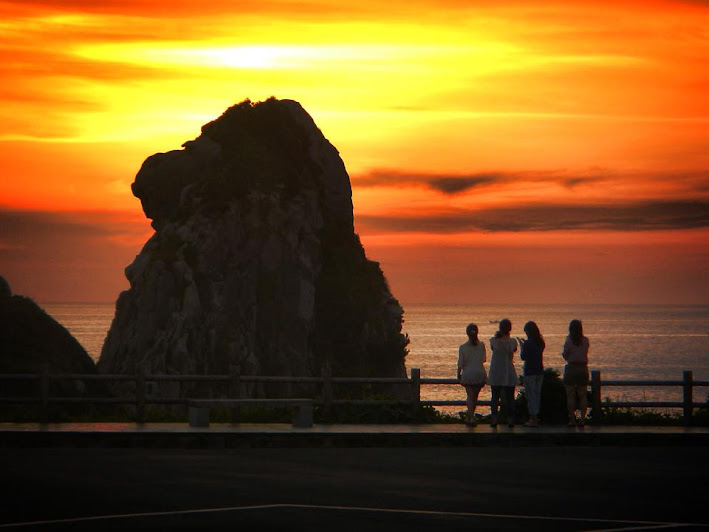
(471, 372)
(503, 377)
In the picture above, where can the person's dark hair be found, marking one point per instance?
(505, 328)
(576, 331)
(472, 331)
(534, 333)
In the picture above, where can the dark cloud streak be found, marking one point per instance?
(644, 216)
(29, 232)
(452, 184)
(449, 184)
(456, 185)
(69, 256)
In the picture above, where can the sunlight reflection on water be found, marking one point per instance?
(627, 342)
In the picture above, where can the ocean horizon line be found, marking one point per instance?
(462, 305)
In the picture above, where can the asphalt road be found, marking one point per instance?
(512, 488)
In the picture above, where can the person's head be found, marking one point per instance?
(505, 328)
(472, 331)
(576, 331)
(533, 333)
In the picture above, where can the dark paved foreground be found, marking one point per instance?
(552, 488)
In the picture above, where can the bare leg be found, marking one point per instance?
(472, 401)
(469, 402)
(476, 394)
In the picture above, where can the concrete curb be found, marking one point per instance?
(280, 435)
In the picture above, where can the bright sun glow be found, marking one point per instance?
(479, 58)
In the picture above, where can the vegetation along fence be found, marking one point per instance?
(326, 382)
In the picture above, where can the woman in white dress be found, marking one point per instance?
(471, 372)
(503, 377)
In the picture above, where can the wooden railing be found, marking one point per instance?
(687, 383)
(235, 380)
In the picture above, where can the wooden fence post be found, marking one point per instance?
(327, 388)
(596, 397)
(44, 393)
(235, 391)
(415, 392)
(140, 395)
(687, 397)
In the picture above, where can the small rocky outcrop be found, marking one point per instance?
(254, 261)
(30, 337)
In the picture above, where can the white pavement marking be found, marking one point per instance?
(647, 525)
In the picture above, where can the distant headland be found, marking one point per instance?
(30, 338)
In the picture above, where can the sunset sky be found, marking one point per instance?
(499, 152)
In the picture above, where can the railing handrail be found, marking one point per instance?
(284, 378)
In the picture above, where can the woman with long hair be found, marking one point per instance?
(576, 372)
(471, 372)
(532, 352)
(502, 376)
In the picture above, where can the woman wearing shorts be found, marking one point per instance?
(576, 373)
(471, 372)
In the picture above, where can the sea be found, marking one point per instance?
(628, 342)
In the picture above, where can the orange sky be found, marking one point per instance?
(503, 151)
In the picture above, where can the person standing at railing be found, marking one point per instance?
(502, 376)
(471, 371)
(576, 373)
(532, 353)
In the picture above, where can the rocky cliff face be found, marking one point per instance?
(254, 261)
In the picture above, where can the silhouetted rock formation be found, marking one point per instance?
(30, 337)
(254, 261)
